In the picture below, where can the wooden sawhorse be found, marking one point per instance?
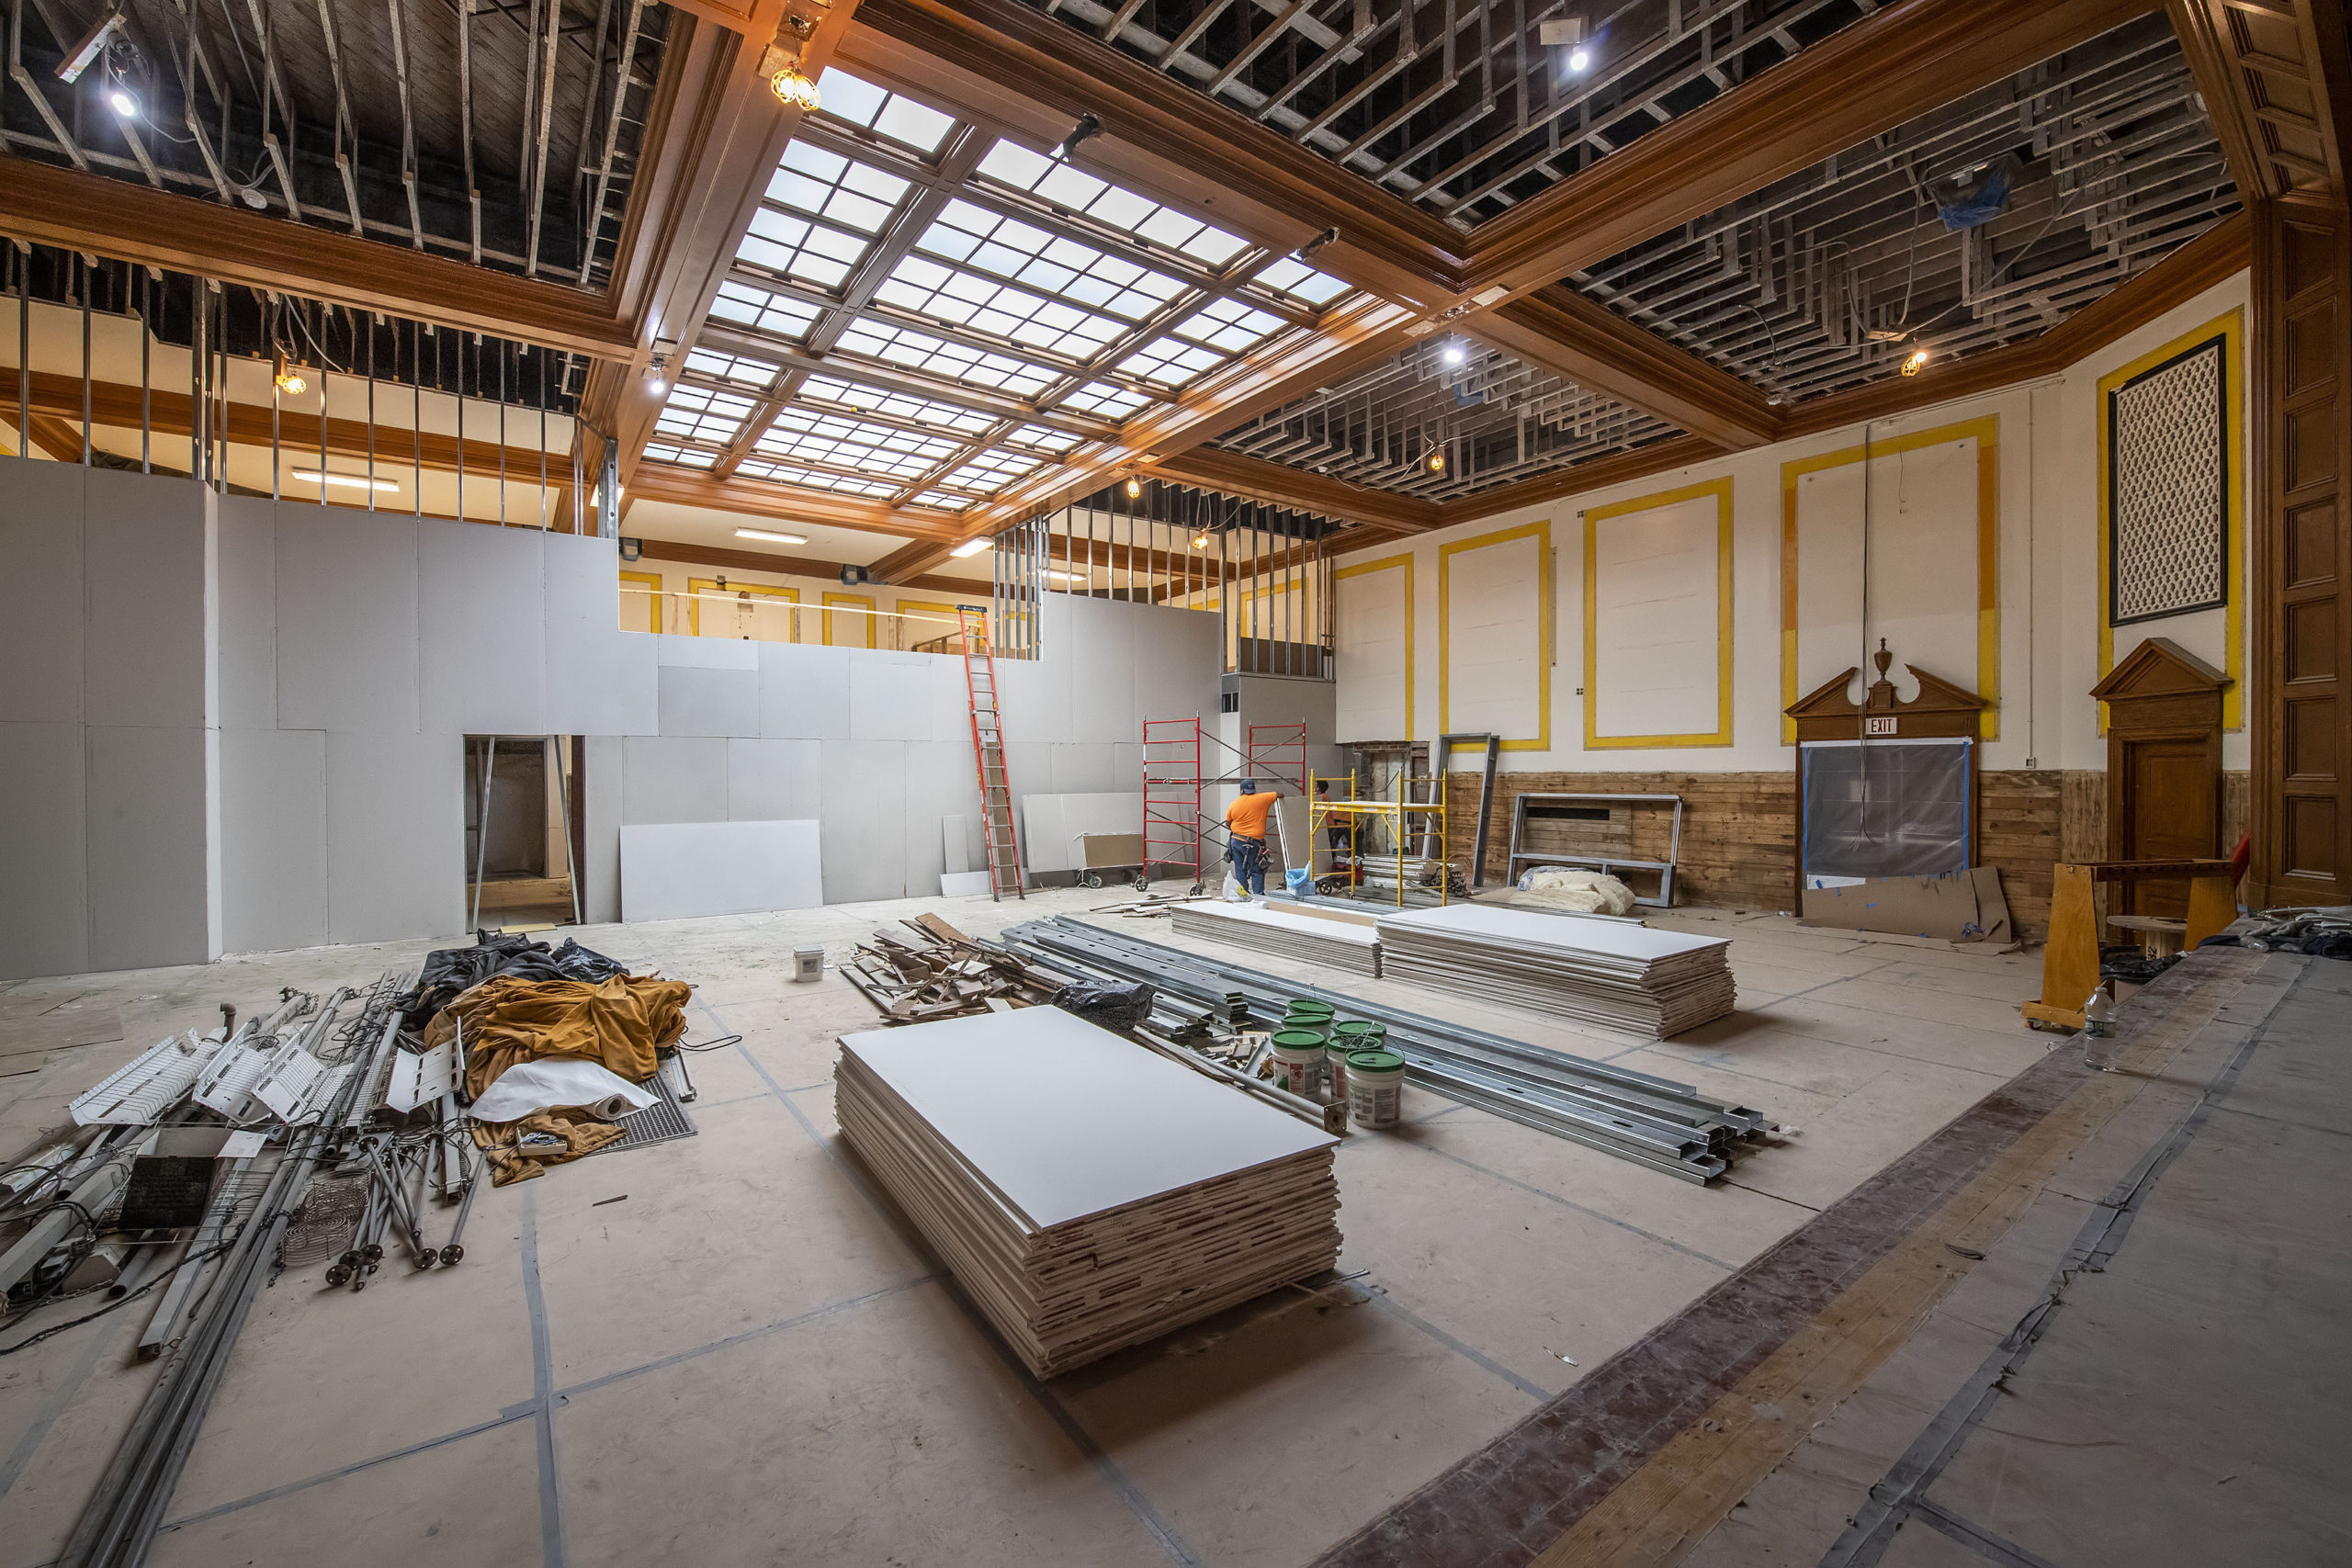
(2070, 955)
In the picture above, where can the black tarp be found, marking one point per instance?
(453, 970)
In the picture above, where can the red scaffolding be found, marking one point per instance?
(1178, 773)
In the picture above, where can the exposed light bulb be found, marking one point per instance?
(1454, 355)
(119, 100)
(1916, 362)
(1436, 462)
(970, 547)
(1135, 488)
(793, 87)
(290, 380)
(1200, 541)
(771, 537)
(1579, 58)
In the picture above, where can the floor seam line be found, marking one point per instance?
(551, 1543)
(1579, 1208)
(271, 1495)
(1470, 1353)
(745, 1337)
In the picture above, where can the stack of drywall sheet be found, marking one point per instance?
(1089, 1193)
(1339, 944)
(1619, 977)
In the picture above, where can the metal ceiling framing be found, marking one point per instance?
(1454, 104)
(502, 132)
(928, 315)
(1490, 419)
(2119, 167)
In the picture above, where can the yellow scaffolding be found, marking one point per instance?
(1402, 814)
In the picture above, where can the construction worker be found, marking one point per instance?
(1245, 846)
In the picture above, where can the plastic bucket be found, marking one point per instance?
(1376, 1085)
(1309, 1015)
(1298, 1060)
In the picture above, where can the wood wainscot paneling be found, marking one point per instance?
(2022, 833)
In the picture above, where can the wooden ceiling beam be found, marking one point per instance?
(2259, 68)
(1585, 342)
(782, 565)
(50, 206)
(1278, 484)
(787, 503)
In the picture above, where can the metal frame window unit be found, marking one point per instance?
(897, 244)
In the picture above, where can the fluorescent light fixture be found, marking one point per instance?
(970, 547)
(1067, 576)
(771, 539)
(348, 481)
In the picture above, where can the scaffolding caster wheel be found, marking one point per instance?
(1142, 883)
(1199, 888)
(1093, 880)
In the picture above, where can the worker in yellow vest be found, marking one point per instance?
(1244, 823)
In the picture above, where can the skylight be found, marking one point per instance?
(1061, 267)
(696, 413)
(1290, 276)
(943, 501)
(739, 369)
(855, 444)
(860, 103)
(990, 471)
(757, 308)
(959, 362)
(1102, 398)
(857, 398)
(815, 479)
(1080, 192)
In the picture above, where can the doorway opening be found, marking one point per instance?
(522, 815)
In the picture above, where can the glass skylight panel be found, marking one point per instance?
(989, 472)
(857, 398)
(1080, 192)
(698, 413)
(825, 185)
(1055, 441)
(949, 294)
(941, 501)
(1061, 267)
(1169, 361)
(1227, 324)
(739, 369)
(816, 478)
(1294, 277)
(894, 114)
(758, 307)
(1102, 398)
(685, 458)
(920, 351)
(855, 444)
(814, 252)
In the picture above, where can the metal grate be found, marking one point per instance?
(328, 1219)
(658, 1123)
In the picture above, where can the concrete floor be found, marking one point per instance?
(750, 1359)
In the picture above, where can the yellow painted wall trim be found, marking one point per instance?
(863, 600)
(697, 586)
(1986, 430)
(1721, 735)
(2230, 327)
(1389, 563)
(1545, 615)
(651, 582)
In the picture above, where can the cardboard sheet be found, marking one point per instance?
(1959, 906)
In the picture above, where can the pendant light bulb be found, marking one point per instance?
(1916, 362)
(1135, 488)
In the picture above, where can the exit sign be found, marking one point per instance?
(1881, 726)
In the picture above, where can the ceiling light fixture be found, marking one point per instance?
(1567, 31)
(1065, 576)
(771, 539)
(1452, 355)
(119, 99)
(345, 481)
(1200, 541)
(1579, 58)
(970, 547)
(287, 379)
(1135, 488)
(1436, 462)
(790, 84)
(1916, 362)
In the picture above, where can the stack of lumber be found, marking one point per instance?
(1627, 977)
(1089, 1193)
(1335, 940)
(943, 973)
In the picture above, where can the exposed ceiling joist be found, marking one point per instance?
(1254, 478)
(1582, 341)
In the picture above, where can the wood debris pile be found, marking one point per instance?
(944, 974)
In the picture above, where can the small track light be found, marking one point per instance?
(1916, 362)
(791, 85)
(1200, 541)
(287, 379)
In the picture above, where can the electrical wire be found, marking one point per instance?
(57, 1328)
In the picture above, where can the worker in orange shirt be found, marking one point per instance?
(1244, 824)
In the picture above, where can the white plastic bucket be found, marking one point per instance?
(1375, 1087)
(808, 964)
(1298, 1060)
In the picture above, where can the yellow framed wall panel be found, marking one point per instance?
(1362, 621)
(2230, 327)
(641, 601)
(1985, 558)
(1669, 568)
(698, 587)
(1487, 662)
(849, 603)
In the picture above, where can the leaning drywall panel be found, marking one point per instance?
(346, 619)
(600, 867)
(396, 835)
(143, 549)
(149, 851)
(804, 692)
(246, 577)
(773, 781)
(673, 778)
(679, 870)
(40, 636)
(273, 840)
(707, 702)
(864, 820)
(44, 915)
(1057, 823)
(600, 680)
(483, 615)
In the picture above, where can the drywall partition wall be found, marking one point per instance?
(675, 871)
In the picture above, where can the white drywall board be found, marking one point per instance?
(941, 787)
(1028, 768)
(600, 680)
(706, 653)
(709, 701)
(1177, 667)
(40, 636)
(1923, 554)
(1086, 768)
(1526, 931)
(891, 696)
(1352, 933)
(1055, 823)
(481, 611)
(149, 849)
(1372, 653)
(1064, 1120)
(773, 781)
(864, 820)
(143, 553)
(673, 778)
(673, 871)
(1655, 652)
(1103, 647)
(245, 579)
(346, 619)
(44, 915)
(963, 884)
(955, 844)
(1494, 639)
(396, 835)
(1127, 759)
(804, 691)
(600, 865)
(273, 840)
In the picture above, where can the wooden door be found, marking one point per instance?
(2172, 810)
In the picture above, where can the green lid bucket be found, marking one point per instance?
(1299, 1040)
(1359, 1032)
(1374, 1062)
(1307, 1008)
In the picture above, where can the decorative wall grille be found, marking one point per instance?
(2168, 467)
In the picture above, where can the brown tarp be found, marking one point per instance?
(582, 1133)
(618, 1023)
